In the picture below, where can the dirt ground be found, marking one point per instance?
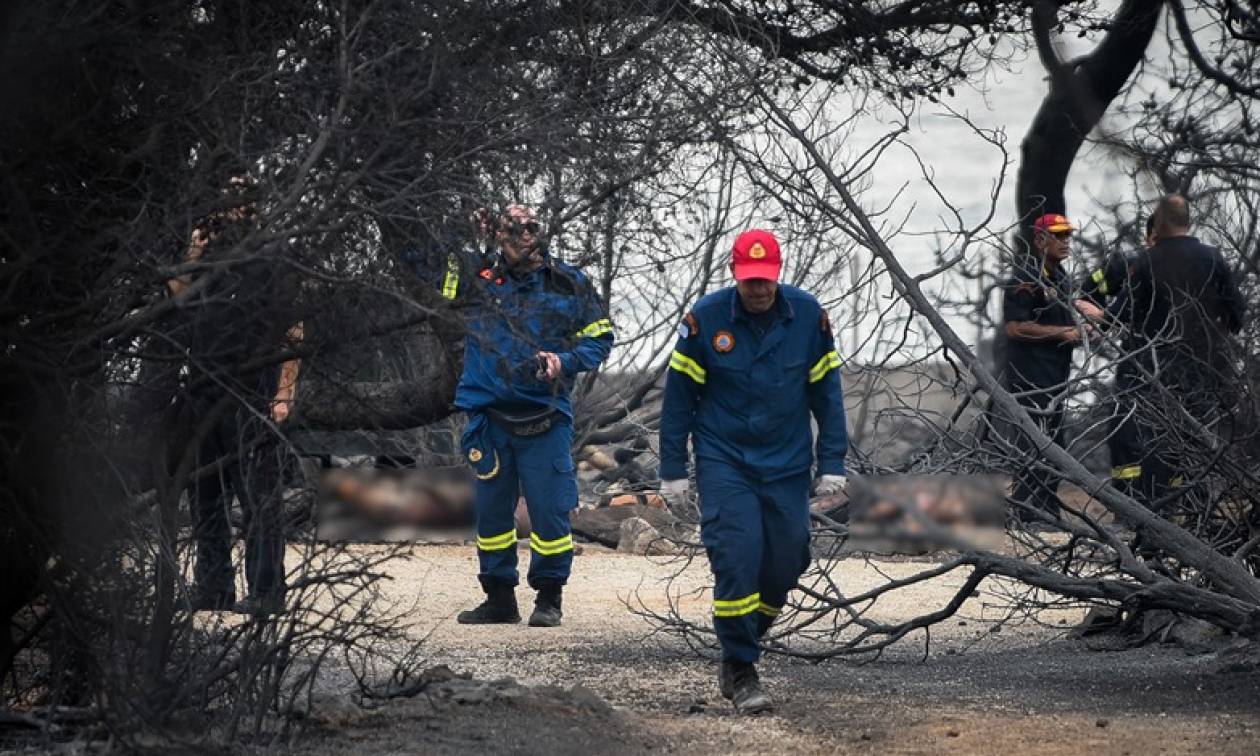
(602, 683)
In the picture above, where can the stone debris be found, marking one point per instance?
(639, 537)
(466, 691)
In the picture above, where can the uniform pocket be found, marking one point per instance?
(568, 483)
(480, 453)
(564, 464)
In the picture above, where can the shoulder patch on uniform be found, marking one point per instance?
(723, 342)
(688, 327)
(824, 321)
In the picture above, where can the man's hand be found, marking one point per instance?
(280, 409)
(481, 222)
(831, 485)
(549, 368)
(674, 492)
(197, 244)
(1074, 335)
(196, 248)
(1090, 310)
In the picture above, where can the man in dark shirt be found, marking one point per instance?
(237, 322)
(1106, 282)
(1040, 326)
(1180, 304)
(1103, 287)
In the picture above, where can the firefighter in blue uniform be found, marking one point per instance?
(533, 324)
(751, 364)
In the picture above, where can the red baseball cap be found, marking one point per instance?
(756, 255)
(1053, 223)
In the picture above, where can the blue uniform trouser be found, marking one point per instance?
(757, 537)
(542, 467)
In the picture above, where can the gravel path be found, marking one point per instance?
(1025, 689)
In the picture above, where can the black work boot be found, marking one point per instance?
(726, 679)
(260, 604)
(745, 687)
(547, 607)
(211, 601)
(499, 608)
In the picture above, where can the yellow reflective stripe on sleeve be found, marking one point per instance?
(769, 611)
(1127, 472)
(497, 543)
(493, 472)
(1099, 277)
(598, 328)
(450, 284)
(829, 361)
(1177, 482)
(687, 366)
(551, 548)
(736, 607)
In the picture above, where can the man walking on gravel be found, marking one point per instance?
(752, 363)
(534, 323)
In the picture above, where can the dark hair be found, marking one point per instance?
(1150, 224)
(1172, 212)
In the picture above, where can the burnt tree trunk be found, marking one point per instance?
(1080, 91)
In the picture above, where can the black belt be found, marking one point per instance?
(524, 422)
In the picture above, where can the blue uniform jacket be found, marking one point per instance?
(510, 319)
(746, 400)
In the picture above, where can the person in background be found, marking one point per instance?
(237, 327)
(1179, 307)
(1039, 315)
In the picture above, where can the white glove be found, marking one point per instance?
(830, 485)
(674, 492)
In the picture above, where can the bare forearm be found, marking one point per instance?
(290, 368)
(177, 285)
(289, 371)
(287, 389)
(1024, 330)
(196, 247)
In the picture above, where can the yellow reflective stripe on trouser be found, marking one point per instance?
(1100, 278)
(551, 548)
(450, 284)
(736, 607)
(497, 543)
(829, 362)
(769, 611)
(598, 328)
(687, 366)
(1127, 472)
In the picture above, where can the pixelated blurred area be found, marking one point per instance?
(369, 504)
(918, 513)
